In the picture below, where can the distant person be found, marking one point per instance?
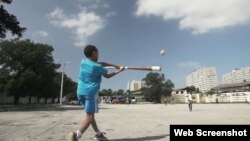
(247, 100)
(127, 101)
(217, 99)
(190, 101)
(105, 99)
(172, 100)
(90, 76)
(165, 101)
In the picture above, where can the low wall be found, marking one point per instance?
(235, 97)
(25, 100)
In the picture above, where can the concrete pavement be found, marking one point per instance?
(146, 122)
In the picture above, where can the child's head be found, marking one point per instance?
(91, 52)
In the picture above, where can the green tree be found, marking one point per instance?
(114, 93)
(110, 92)
(197, 90)
(104, 92)
(29, 83)
(9, 22)
(156, 87)
(191, 89)
(30, 68)
(167, 88)
(56, 87)
(12, 88)
(120, 92)
(3, 79)
(71, 96)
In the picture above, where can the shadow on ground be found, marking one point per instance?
(148, 138)
(41, 107)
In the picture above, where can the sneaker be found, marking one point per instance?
(101, 137)
(72, 137)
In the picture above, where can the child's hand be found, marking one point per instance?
(122, 68)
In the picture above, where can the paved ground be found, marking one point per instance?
(120, 122)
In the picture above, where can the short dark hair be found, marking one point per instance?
(89, 49)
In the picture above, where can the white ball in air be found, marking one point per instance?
(162, 52)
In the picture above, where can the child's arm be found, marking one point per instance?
(108, 64)
(109, 75)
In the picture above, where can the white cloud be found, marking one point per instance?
(41, 33)
(94, 6)
(96, 1)
(82, 25)
(110, 14)
(190, 64)
(199, 16)
(106, 6)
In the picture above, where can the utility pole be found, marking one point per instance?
(62, 79)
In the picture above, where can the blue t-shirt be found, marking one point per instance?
(90, 77)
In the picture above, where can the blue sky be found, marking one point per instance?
(194, 34)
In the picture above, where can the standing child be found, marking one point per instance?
(247, 101)
(165, 101)
(90, 76)
(127, 101)
(190, 101)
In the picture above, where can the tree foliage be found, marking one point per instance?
(28, 69)
(107, 92)
(156, 87)
(192, 89)
(120, 92)
(9, 22)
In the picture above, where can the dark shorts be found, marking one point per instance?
(190, 102)
(89, 103)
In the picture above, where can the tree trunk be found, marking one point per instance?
(29, 98)
(45, 100)
(16, 99)
(38, 99)
(53, 100)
